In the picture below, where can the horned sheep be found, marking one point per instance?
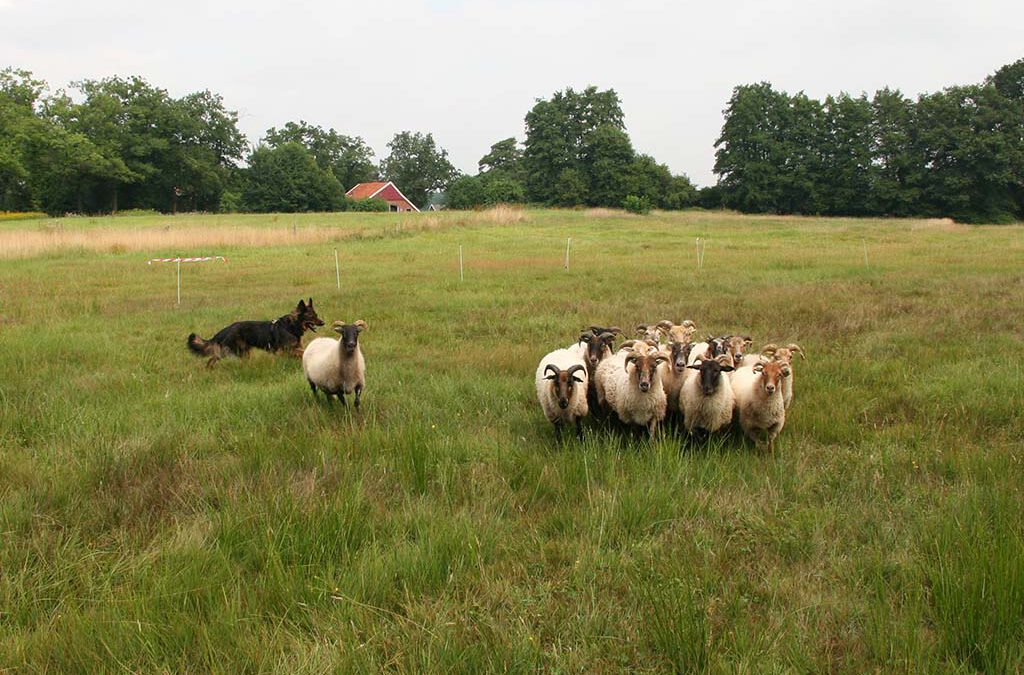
(561, 381)
(337, 367)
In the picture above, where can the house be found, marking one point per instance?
(437, 201)
(382, 190)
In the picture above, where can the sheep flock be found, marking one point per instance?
(662, 377)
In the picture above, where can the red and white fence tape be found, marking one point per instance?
(181, 260)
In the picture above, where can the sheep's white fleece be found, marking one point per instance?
(760, 413)
(706, 412)
(616, 385)
(327, 366)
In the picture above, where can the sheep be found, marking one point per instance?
(337, 366)
(706, 399)
(650, 332)
(734, 345)
(759, 404)
(674, 371)
(630, 384)
(680, 333)
(562, 381)
(598, 341)
(785, 355)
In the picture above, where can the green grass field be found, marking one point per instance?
(157, 516)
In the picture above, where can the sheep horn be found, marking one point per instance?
(793, 347)
(688, 324)
(360, 324)
(337, 324)
(606, 336)
(584, 337)
(573, 369)
(769, 349)
(615, 330)
(553, 368)
(628, 344)
(665, 324)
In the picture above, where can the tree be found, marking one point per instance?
(750, 158)
(972, 139)
(504, 156)
(348, 157)
(417, 166)
(607, 158)
(846, 156)
(1009, 80)
(465, 192)
(556, 138)
(897, 167)
(287, 179)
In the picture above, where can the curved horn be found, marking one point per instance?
(665, 323)
(688, 324)
(584, 337)
(606, 336)
(614, 330)
(337, 324)
(628, 344)
(641, 328)
(575, 368)
(769, 349)
(361, 324)
(794, 347)
(553, 368)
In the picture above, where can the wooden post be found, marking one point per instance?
(462, 276)
(337, 268)
(179, 279)
(568, 242)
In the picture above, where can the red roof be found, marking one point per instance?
(366, 190)
(385, 190)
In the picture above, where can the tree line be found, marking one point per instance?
(122, 143)
(955, 153)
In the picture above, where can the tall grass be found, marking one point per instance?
(159, 516)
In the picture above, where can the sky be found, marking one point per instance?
(469, 71)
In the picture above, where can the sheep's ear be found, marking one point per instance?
(726, 368)
(361, 325)
(758, 367)
(694, 366)
(576, 379)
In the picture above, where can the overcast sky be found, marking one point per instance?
(469, 71)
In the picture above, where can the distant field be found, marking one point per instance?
(160, 517)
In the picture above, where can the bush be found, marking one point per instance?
(366, 205)
(634, 204)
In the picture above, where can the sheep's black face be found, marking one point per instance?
(349, 336)
(710, 375)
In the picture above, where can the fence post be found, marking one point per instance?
(462, 276)
(337, 269)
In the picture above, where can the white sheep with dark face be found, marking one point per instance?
(707, 398)
(337, 367)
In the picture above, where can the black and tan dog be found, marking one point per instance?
(282, 334)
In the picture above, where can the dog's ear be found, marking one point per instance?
(302, 305)
(310, 303)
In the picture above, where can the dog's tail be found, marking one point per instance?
(199, 346)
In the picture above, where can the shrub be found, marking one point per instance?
(367, 205)
(634, 204)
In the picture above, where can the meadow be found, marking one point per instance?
(158, 516)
